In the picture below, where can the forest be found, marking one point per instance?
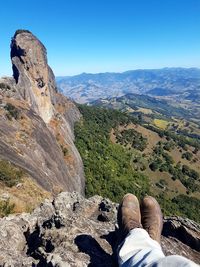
(108, 166)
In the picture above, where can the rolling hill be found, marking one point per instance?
(88, 87)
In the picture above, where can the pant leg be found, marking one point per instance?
(173, 261)
(139, 250)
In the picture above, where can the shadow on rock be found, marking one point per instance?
(98, 256)
(113, 239)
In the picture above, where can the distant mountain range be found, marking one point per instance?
(86, 87)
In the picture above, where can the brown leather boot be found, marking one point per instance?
(129, 216)
(152, 218)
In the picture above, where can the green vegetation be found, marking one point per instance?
(163, 162)
(64, 150)
(187, 155)
(179, 140)
(10, 175)
(160, 159)
(107, 166)
(190, 172)
(162, 184)
(6, 208)
(12, 112)
(169, 146)
(138, 161)
(180, 205)
(133, 138)
(160, 106)
(187, 206)
(114, 169)
(162, 124)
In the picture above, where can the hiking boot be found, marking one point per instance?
(129, 216)
(152, 219)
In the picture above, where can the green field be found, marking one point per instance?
(162, 124)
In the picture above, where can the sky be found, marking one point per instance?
(105, 35)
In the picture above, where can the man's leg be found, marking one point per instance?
(139, 250)
(173, 261)
(141, 247)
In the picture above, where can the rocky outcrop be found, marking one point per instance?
(72, 231)
(36, 122)
(34, 78)
(185, 230)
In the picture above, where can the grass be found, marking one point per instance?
(145, 110)
(162, 124)
(6, 207)
(10, 175)
(24, 198)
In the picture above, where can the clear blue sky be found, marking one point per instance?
(106, 35)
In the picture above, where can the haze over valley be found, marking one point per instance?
(179, 83)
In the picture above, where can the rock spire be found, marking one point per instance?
(34, 78)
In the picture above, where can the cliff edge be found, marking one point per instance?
(37, 123)
(70, 230)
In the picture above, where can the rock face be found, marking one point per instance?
(73, 231)
(36, 122)
(34, 78)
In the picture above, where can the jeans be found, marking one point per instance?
(139, 250)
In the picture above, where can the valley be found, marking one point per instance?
(121, 152)
(140, 132)
(99, 133)
(178, 84)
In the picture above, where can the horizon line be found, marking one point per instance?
(111, 72)
(120, 72)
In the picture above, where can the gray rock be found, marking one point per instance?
(45, 123)
(35, 81)
(184, 230)
(80, 240)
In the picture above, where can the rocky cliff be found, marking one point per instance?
(36, 122)
(34, 78)
(72, 231)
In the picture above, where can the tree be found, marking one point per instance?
(187, 155)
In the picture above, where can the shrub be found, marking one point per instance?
(4, 86)
(195, 150)
(132, 137)
(64, 150)
(164, 168)
(168, 146)
(6, 208)
(13, 112)
(10, 175)
(180, 205)
(169, 160)
(155, 165)
(188, 206)
(187, 155)
(190, 172)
